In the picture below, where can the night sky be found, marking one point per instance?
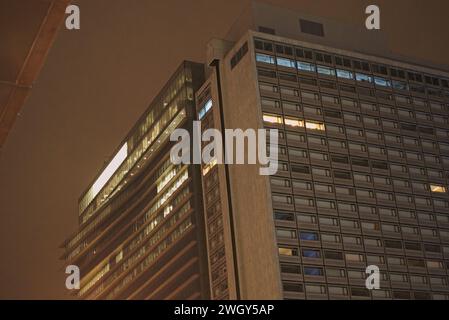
(96, 83)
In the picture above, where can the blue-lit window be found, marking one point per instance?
(309, 271)
(345, 74)
(265, 58)
(399, 85)
(309, 253)
(363, 77)
(382, 82)
(305, 66)
(325, 70)
(311, 236)
(286, 63)
(205, 109)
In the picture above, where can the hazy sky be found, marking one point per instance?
(94, 86)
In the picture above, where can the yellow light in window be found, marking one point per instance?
(315, 126)
(437, 189)
(294, 122)
(209, 166)
(272, 119)
(286, 252)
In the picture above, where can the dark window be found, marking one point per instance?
(334, 255)
(340, 159)
(311, 27)
(421, 295)
(393, 244)
(293, 287)
(359, 292)
(301, 169)
(413, 246)
(360, 162)
(380, 165)
(267, 73)
(432, 248)
(309, 236)
(285, 216)
(290, 268)
(239, 55)
(288, 77)
(308, 81)
(401, 295)
(267, 30)
(342, 175)
(309, 271)
(328, 84)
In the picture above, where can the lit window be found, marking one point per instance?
(304, 66)
(272, 118)
(437, 189)
(325, 70)
(294, 122)
(209, 166)
(110, 170)
(205, 109)
(382, 82)
(315, 126)
(287, 252)
(363, 77)
(286, 63)
(264, 58)
(345, 74)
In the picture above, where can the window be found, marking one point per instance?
(363, 77)
(310, 271)
(284, 216)
(310, 253)
(292, 287)
(286, 233)
(344, 74)
(308, 236)
(325, 71)
(207, 106)
(293, 122)
(305, 66)
(315, 126)
(265, 58)
(333, 255)
(311, 27)
(290, 252)
(437, 188)
(286, 63)
(239, 55)
(382, 82)
(272, 118)
(290, 268)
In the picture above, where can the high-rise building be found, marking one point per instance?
(141, 234)
(363, 164)
(362, 180)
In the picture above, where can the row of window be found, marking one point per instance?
(353, 225)
(360, 164)
(360, 106)
(377, 137)
(394, 155)
(349, 63)
(365, 195)
(334, 221)
(339, 273)
(358, 293)
(400, 184)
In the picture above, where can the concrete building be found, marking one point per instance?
(363, 168)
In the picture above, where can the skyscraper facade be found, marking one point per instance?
(362, 179)
(141, 231)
